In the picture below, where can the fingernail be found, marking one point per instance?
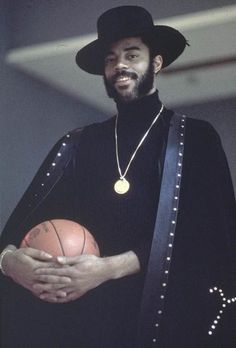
(63, 294)
(61, 259)
(48, 255)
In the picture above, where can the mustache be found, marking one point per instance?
(124, 73)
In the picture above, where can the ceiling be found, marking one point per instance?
(206, 70)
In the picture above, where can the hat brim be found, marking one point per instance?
(166, 41)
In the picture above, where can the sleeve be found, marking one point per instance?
(142, 251)
(48, 195)
(228, 206)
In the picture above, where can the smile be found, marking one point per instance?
(123, 79)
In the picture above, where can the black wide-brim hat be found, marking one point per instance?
(129, 21)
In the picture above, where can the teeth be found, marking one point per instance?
(124, 78)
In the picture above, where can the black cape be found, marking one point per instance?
(203, 255)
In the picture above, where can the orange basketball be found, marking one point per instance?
(61, 237)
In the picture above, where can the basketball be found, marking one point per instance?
(61, 237)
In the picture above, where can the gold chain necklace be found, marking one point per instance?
(122, 185)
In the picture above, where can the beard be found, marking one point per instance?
(143, 84)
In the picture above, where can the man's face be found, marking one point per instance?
(128, 73)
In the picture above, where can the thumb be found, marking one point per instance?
(67, 260)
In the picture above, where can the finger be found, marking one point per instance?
(51, 288)
(54, 271)
(58, 296)
(71, 260)
(37, 254)
(53, 279)
(66, 260)
(68, 298)
(48, 298)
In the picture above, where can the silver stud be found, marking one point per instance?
(63, 144)
(160, 312)
(177, 186)
(53, 164)
(48, 174)
(171, 234)
(179, 175)
(173, 222)
(156, 324)
(42, 184)
(170, 245)
(166, 271)
(213, 327)
(163, 284)
(209, 332)
(59, 154)
(68, 135)
(181, 143)
(162, 297)
(154, 340)
(176, 197)
(168, 258)
(175, 209)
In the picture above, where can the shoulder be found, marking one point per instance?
(201, 132)
(202, 143)
(76, 134)
(80, 139)
(202, 126)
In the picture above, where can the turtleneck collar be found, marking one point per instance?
(147, 106)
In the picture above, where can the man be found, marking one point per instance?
(109, 177)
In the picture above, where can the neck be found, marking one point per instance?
(144, 107)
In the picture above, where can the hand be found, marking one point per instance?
(21, 265)
(86, 272)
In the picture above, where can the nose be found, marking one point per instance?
(121, 64)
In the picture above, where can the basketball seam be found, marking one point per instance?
(59, 239)
(83, 247)
(26, 242)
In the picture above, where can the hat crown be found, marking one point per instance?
(123, 21)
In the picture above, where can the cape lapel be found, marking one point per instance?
(156, 282)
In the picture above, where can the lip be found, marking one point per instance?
(123, 81)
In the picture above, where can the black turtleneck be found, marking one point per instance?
(123, 222)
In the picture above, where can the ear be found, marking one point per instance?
(157, 63)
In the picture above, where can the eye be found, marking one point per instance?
(109, 60)
(132, 56)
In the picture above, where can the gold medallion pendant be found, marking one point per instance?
(121, 186)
